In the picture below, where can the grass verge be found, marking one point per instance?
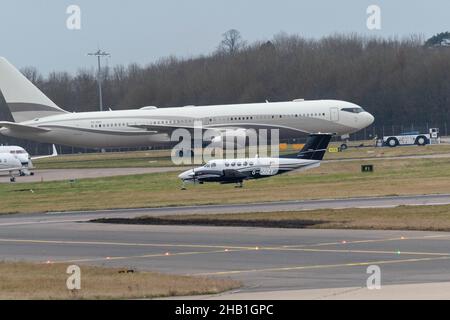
(427, 218)
(331, 180)
(20, 280)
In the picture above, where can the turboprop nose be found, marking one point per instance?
(186, 175)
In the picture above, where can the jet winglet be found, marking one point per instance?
(54, 154)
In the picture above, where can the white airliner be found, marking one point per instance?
(237, 170)
(39, 119)
(17, 159)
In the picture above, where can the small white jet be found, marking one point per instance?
(15, 159)
(237, 170)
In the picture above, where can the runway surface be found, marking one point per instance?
(296, 205)
(265, 260)
(70, 174)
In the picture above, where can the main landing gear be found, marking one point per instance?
(240, 184)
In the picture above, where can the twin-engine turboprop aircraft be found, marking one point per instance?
(238, 170)
(37, 118)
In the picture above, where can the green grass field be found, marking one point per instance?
(331, 180)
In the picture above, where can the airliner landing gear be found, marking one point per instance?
(183, 186)
(344, 145)
(12, 179)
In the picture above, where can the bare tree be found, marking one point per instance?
(31, 74)
(232, 42)
(401, 82)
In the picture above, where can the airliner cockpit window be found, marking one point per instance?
(353, 110)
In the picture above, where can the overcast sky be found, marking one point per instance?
(34, 32)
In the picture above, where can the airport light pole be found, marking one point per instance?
(446, 43)
(99, 54)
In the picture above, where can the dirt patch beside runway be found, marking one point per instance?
(215, 222)
(425, 218)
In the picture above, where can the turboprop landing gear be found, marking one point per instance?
(240, 184)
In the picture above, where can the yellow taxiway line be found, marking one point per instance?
(320, 266)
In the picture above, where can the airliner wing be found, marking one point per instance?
(11, 169)
(21, 127)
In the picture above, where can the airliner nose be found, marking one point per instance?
(365, 120)
(369, 118)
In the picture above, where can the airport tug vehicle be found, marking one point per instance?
(412, 138)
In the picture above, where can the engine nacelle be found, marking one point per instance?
(230, 139)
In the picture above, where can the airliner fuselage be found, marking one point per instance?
(150, 125)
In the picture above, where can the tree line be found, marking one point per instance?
(398, 80)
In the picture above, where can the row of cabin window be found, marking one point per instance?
(233, 164)
(280, 116)
(109, 125)
(210, 120)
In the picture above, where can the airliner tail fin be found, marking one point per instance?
(25, 101)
